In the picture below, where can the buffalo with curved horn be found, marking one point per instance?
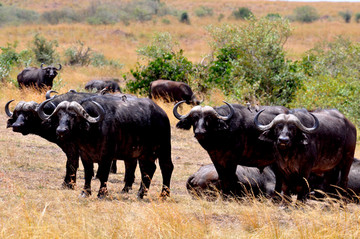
(38, 78)
(131, 130)
(230, 137)
(320, 142)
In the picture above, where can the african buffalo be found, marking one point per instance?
(230, 137)
(106, 127)
(172, 91)
(99, 85)
(205, 182)
(38, 78)
(24, 119)
(318, 142)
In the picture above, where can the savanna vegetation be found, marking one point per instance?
(267, 52)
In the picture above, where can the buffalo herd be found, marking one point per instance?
(274, 151)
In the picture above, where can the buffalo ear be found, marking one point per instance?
(304, 139)
(221, 125)
(266, 136)
(184, 124)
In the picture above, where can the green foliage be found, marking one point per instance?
(250, 62)
(273, 15)
(305, 14)
(164, 62)
(242, 13)
(99, 60)
(66, 15)
(14, 16)
(9, 58)
(204, 11)
(346, 16)
(78, 55)
(45, 50)
(331, 92)
(357, 17)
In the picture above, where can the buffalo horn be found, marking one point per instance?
(225, 118)
(48, 96)
(82, 112)
(7, 110)
(176, 113)
(41, 66)
(59, 67)
(305, 129)
(41, 112)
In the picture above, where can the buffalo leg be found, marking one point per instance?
(147, 169)
(113, 168)
(89, 173)
(103, 175)
(130, 167)
(166, 167)
(228, 179)
(72, 165)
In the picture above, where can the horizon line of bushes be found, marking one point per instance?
(104, 13)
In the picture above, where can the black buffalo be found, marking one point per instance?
(106, 85)
(230, 137)
(172, 91)
(251, 181)
(321, 142)
(38, 78)
(135, 129)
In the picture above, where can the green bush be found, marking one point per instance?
(250, 62)
(357, 17)
(14, 16)
(66, 15)
(204, 11)
(273, 15)
(346, 16)
(78, 55)
(242, 13)
(99, 60)
(45, 50)
(305, 14)
(163, 62)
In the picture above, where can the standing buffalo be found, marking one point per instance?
(322, 142)
(107, 127)
(99, 85)
(38, 78)
(230, 137)
(205, 182)
(172, 91)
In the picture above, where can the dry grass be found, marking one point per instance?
(32, 203)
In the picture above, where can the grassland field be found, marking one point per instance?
(34, 205)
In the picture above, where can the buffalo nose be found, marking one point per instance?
(62, 131)
(284, 140)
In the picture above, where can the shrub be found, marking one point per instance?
(242, 13)
(357, 17)
(203, 11)
(346, 16)
(250, 62)
(14, 16)
(306, 14)
(273, 15)
(99, 60)
(78, 55)
(163, 63)
(45, 50)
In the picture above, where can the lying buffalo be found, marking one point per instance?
(172, 91)
(99, 85)
(107, 127)
(320, 142)
(251, 181)
(230, 137)
(38, 78)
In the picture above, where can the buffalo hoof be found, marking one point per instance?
(165, 193)
(142, 193)
(68, 185)
(103, 192)
(126, 189)
(85, 193)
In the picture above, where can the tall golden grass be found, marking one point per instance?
(33, 204)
